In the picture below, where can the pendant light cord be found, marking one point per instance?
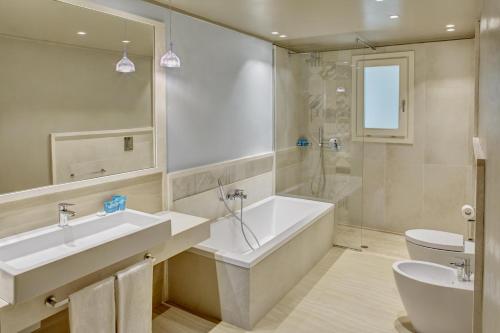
(125, 49)
(170, 24)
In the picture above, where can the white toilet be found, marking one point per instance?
(438, 246)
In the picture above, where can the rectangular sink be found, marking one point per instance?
(41, 260)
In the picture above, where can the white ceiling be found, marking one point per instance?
(334, 24)
(54, 21)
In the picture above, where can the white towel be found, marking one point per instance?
(134, 292)
(92, 309)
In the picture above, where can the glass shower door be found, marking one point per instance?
(313, 106)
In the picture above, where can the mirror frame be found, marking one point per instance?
(159, 113)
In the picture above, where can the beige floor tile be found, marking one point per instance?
(346, 292)
(174, 320)
(385, 244)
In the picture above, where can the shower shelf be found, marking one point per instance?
(304, 147)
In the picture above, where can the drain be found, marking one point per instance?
(364, 246)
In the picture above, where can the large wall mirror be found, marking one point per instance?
(67, 113)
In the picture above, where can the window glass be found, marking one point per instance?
(381, 97)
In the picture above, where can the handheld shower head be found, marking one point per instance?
(220, 191)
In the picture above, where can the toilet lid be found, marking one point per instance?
(436, 239)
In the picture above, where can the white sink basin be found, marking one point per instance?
(41, 260)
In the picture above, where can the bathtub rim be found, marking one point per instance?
(461, 285)
(268, 248)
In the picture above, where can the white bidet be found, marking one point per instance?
(435, 299)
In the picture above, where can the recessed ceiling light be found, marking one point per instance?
(125, 41)
(393, 17)
(450, 26)
(81, 33)
(275, 33)
(283, 36)
(450, 29)
(379, 0)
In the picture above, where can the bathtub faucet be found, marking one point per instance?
(464, 264)
(236, 194)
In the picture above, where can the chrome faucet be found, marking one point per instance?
(333, 143)
(65, 214)
(236, 194)
(465, 266)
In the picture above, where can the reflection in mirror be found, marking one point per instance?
(66, 114)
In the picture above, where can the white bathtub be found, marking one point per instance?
(223, 278)
(274, 221)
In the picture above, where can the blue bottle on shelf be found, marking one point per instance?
(302, 142)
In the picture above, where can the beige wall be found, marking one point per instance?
(422, 185)
(47, 87)
(143, 193)
(489, 133)
(290, 118)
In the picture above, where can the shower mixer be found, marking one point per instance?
(332, 143)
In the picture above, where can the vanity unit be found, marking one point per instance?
(40, 268)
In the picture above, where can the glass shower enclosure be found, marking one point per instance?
(316, 156)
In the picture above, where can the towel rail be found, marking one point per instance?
(52, 302)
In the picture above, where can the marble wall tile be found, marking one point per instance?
(404, 197)
(183, 187)
(208, 205)
(445, 193)
(290, 156)
(288, 178)
(194, 182)
(289, 101)
(374, 177)
(450, 102)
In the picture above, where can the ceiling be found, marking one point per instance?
(58, 22)
(334, 24)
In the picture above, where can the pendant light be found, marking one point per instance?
(170, 59)
(125, 65)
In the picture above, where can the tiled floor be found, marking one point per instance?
(346, 292)
(384, 243)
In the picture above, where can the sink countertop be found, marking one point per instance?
(181, 222)
(31, 262)
(186, 230)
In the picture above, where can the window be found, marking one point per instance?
(382, 101)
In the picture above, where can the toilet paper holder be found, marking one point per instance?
(52, 302)
(469, 214)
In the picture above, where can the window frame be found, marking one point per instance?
(404, 132)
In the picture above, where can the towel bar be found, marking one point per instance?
(52, 302)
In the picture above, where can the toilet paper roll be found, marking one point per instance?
(468, 212)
